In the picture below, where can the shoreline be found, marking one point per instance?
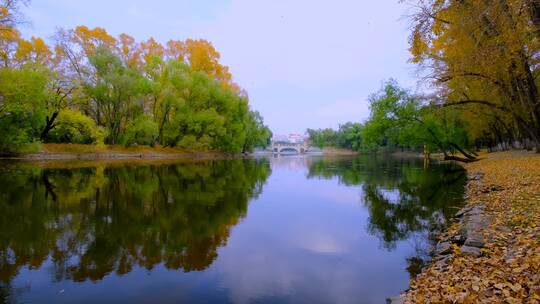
(99, 156)
(491, 251)
(60, 152)
(73, 152)
(84, 152)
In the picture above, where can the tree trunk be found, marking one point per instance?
(49, 125)
(459, 159)
(535, 15)
(162, 126)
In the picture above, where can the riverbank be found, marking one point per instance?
(59, 152)
(491, 254)
(113, 152)
(338, 151)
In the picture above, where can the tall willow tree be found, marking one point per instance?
(95, 87)
(399, 119)
(258, 134)
(483, 54)
(113, 92)
(22, 107)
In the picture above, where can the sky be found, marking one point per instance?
(304, 63)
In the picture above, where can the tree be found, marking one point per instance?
(399, 119)
(142, 131)
(74, 127)
(22, 107)
(166, 88)
(482, 53)
(10, 15)
(350, 136)
(112, 93)
(211, 117)
(315, 137)
(132, 92)
(9, 40)
(34, 51)
(203, 57)
(257, 133)
(36, 54)
(57, 101)
(130, 51)
(323, 137)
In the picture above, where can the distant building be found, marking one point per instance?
(296, 138)
(280, 138)
(290, 138)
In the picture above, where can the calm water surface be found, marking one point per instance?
(270, 230)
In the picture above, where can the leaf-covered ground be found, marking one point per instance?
(508, 271)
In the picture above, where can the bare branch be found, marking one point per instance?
(481, 102)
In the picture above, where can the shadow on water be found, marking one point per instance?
(404, 200)
(93, 221)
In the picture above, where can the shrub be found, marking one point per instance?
(16, 140)
(22, 109)
(142, 131)
(74, 127)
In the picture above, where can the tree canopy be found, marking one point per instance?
(347, 136)
(480, 59)
(92, 87)
(483, 57)
(400, 120)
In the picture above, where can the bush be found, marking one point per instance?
(203, 143)
(19, 132)
(22, 109)
(74, 127)
(141, 131)
(16, 140)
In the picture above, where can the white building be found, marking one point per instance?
(290, 138)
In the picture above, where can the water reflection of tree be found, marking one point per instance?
(98, 220)
(402, 197)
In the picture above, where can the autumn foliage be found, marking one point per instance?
(93, 87)
(508, 271)
(483, 58)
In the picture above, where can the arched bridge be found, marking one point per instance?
(299, 148)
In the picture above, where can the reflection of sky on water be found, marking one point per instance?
(292, 162)
(306, 240)
(303, 240)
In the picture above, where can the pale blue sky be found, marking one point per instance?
(304, 63)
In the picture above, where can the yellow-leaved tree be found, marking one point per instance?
(483, 54)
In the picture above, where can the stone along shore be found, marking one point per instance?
(491, 253)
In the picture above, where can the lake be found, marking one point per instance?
(293, 229)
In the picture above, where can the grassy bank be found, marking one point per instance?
(103, 152)
(338, 151)
(506, 186)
